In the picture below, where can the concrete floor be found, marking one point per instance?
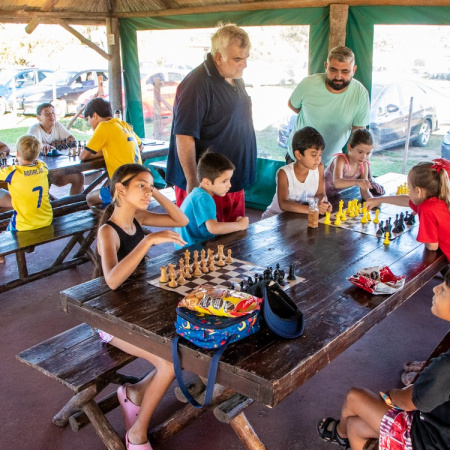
(28, 399)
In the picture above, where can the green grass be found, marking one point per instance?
(392, 160)
(10, 135)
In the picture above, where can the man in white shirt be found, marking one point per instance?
(50, 132)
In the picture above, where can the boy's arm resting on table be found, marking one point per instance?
(173, 218)
(87, 154)
(402, 398)
(215, 227)
(399, 200)
(283, 195)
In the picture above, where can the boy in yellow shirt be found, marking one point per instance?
(28, 188)
(114, 139)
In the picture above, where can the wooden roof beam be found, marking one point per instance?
(48, 6)
(84, 40)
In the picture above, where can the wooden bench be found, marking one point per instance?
(78, 359)
(79, 226)
(442, 347)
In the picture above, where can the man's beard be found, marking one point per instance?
(338, 86)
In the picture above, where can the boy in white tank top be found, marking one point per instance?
(301, 179)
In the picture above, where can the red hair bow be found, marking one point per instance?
(441, 163)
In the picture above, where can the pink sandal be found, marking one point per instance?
(130, 411)
(131, 446)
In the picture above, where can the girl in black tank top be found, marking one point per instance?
(121, 246)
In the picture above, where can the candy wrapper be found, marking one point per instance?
(378, 280)
(220, 301)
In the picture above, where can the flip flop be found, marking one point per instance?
(331, 436)
(131, 446)
(413, 366)
(408, 377)
(130, 411)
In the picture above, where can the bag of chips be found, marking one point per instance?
(378, 280)
(220, 301)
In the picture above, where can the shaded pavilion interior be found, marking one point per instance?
(31, 314)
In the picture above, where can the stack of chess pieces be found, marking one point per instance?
(186, 271)
(403, 189)
(74, 147)
(4, 159)
(354, 209)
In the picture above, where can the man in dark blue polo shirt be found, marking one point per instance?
(213, 110)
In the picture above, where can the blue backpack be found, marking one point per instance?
(208, 331)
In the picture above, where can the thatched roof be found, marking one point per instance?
(95, 12)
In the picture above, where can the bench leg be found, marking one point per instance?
(102, 427)
(62, 256)
(75, 404)
(85, 245)
(231, 411)
(187, 415)
(22, 264)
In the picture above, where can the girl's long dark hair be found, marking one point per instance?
(124, 174)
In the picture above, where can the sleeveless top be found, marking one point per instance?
(127, 242)
(298, 192)
(330, 188)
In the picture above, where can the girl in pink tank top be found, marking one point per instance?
(353, 169)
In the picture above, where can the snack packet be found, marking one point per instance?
(220, 301)
(378, 280)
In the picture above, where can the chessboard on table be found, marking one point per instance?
(228, 276)
(386, 211)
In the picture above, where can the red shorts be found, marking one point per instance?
(395, 430)
(228, 208)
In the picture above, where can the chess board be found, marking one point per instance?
(224, 276)
(386, 212)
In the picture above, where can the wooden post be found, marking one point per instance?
(338, 25)
(114, 64)
(157, 108)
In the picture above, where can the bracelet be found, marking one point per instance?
(388, 400)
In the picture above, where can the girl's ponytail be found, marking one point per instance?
(442, 167)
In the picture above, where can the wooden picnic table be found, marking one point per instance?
(264, 367)
(66, 165)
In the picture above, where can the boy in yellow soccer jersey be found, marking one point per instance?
(113, 139)
(28, 188)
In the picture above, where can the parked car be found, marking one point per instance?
(390, 110)
(445, 146)
(14, 80)
(170, 79)
(62, 90)
(389, 115)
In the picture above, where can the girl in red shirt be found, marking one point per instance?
(429, 197)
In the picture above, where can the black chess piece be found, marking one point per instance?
(380, 230)
(411, 220)
(276, 274)
(249, 281)
(401, 223)
(256, 278)
(388, 226)
(241, 284)
(291, 275)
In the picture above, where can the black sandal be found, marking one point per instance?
(331, 436)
